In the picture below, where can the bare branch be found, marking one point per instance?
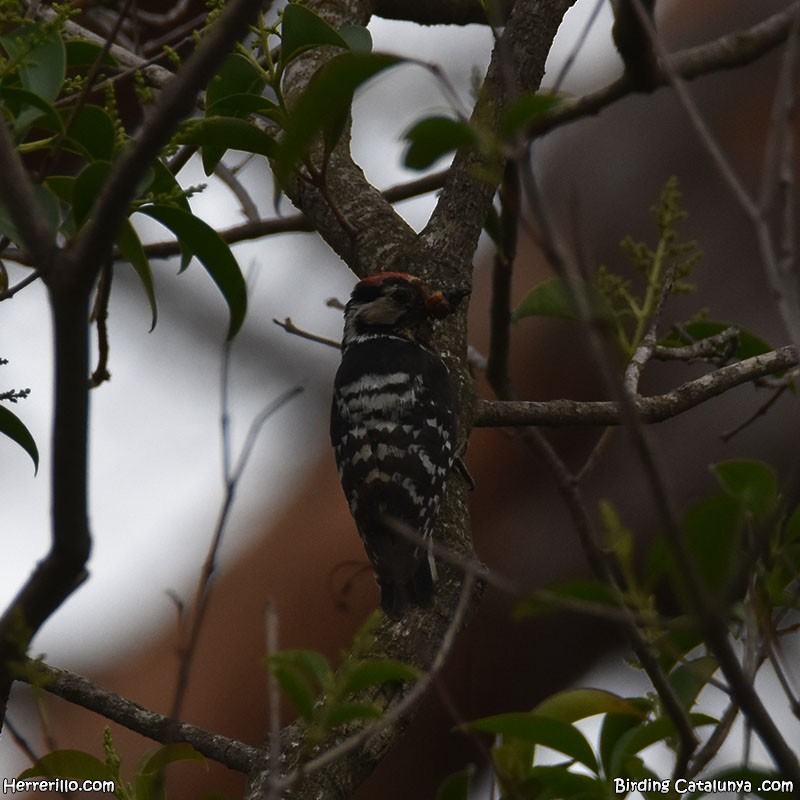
(26, 281)
(499, 414)
(231, 478)
(76, 689)
(290, 327)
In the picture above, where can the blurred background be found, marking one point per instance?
(156, 481)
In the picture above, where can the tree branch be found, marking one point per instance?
(76, 689)
(727, 52)
(500, 414)
(445, 12)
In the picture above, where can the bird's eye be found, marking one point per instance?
(403, 296)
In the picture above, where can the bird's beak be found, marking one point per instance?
(440, 304)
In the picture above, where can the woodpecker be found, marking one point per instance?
(394, 428)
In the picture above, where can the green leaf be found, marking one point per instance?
(42, 59)
(512, 760)
(161, 757)
(226, 133)
(212, 252)
(302, 674)
(572, 705)
(553, 298)
(302, 29)
(376, 671)
(241, 105)
(324, 105)
(149, 778)
(714, 533)
(82, 53)
(13, 427)
(614, 727)
(643, 736)
(313, 664)
(456, 786)
(28, 107)
(525, 110)
(617, 538)
(753, 484)
(87, 187)
(47, 204)
(296, 687)
(239, 78)
(73, 764)
(237, 75)
(677, 642)
(357, 37)
(130, 245)
(92, 134)
(581, 594)
(540, 730)
(342, 713)
(558, 781)
(435, 137)
(689, 678)
(165, 183)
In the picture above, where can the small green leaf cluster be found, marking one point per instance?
(37, 82)
(746, 535)
(624, 306)
(327, 699)
(147, 782)
(436, 137)
(629, 726)
(744, 544)
(239, 116)
(663, 271)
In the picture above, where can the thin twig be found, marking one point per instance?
(229, 178)
(290, 327)
(595, 455)
(26, 281)
(203, 592)
(711, 746)
(497, 367)
(274, 692)
(726, 436)
(715, 347)
(100, 317)
(580, 41)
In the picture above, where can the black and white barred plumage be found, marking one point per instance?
(394, 428)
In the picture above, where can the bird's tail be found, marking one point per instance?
(396, 597)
